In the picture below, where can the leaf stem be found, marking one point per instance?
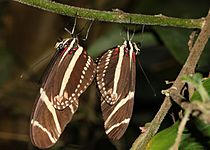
(113, 16)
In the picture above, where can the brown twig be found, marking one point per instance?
(191, 40)
(188, 68)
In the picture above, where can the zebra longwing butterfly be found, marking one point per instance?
(116, 77)
(71, 72)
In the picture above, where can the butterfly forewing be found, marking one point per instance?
(71, 73)
(73, 78)
(112, 78)
(117, 115)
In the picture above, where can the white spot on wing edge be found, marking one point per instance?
(37, 124)
(50, 107)
(125, 121)
(85, 68)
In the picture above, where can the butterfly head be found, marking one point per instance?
(62, 44)
(134, 46)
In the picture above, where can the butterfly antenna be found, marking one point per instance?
(88, 30)
(128, 36)
(142, 31)
(82, 29)
(133, 34)
(74, 26)
(67, 30)
(153, 90)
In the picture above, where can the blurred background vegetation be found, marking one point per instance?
(27, 39)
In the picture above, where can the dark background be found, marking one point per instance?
(27, 39)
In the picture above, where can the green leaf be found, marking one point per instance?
(204, 128)
(190, 144)
(196, 81)
(176, 41)
(203, 135)
(196, 95)
(164, 139)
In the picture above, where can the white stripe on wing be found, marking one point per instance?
(125, 121)
(50, 107)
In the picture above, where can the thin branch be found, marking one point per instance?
(191, 40)
(188, 68)
(113, 16)
(181, 129)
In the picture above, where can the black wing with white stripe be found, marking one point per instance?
(70, 75)
(116, 77)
